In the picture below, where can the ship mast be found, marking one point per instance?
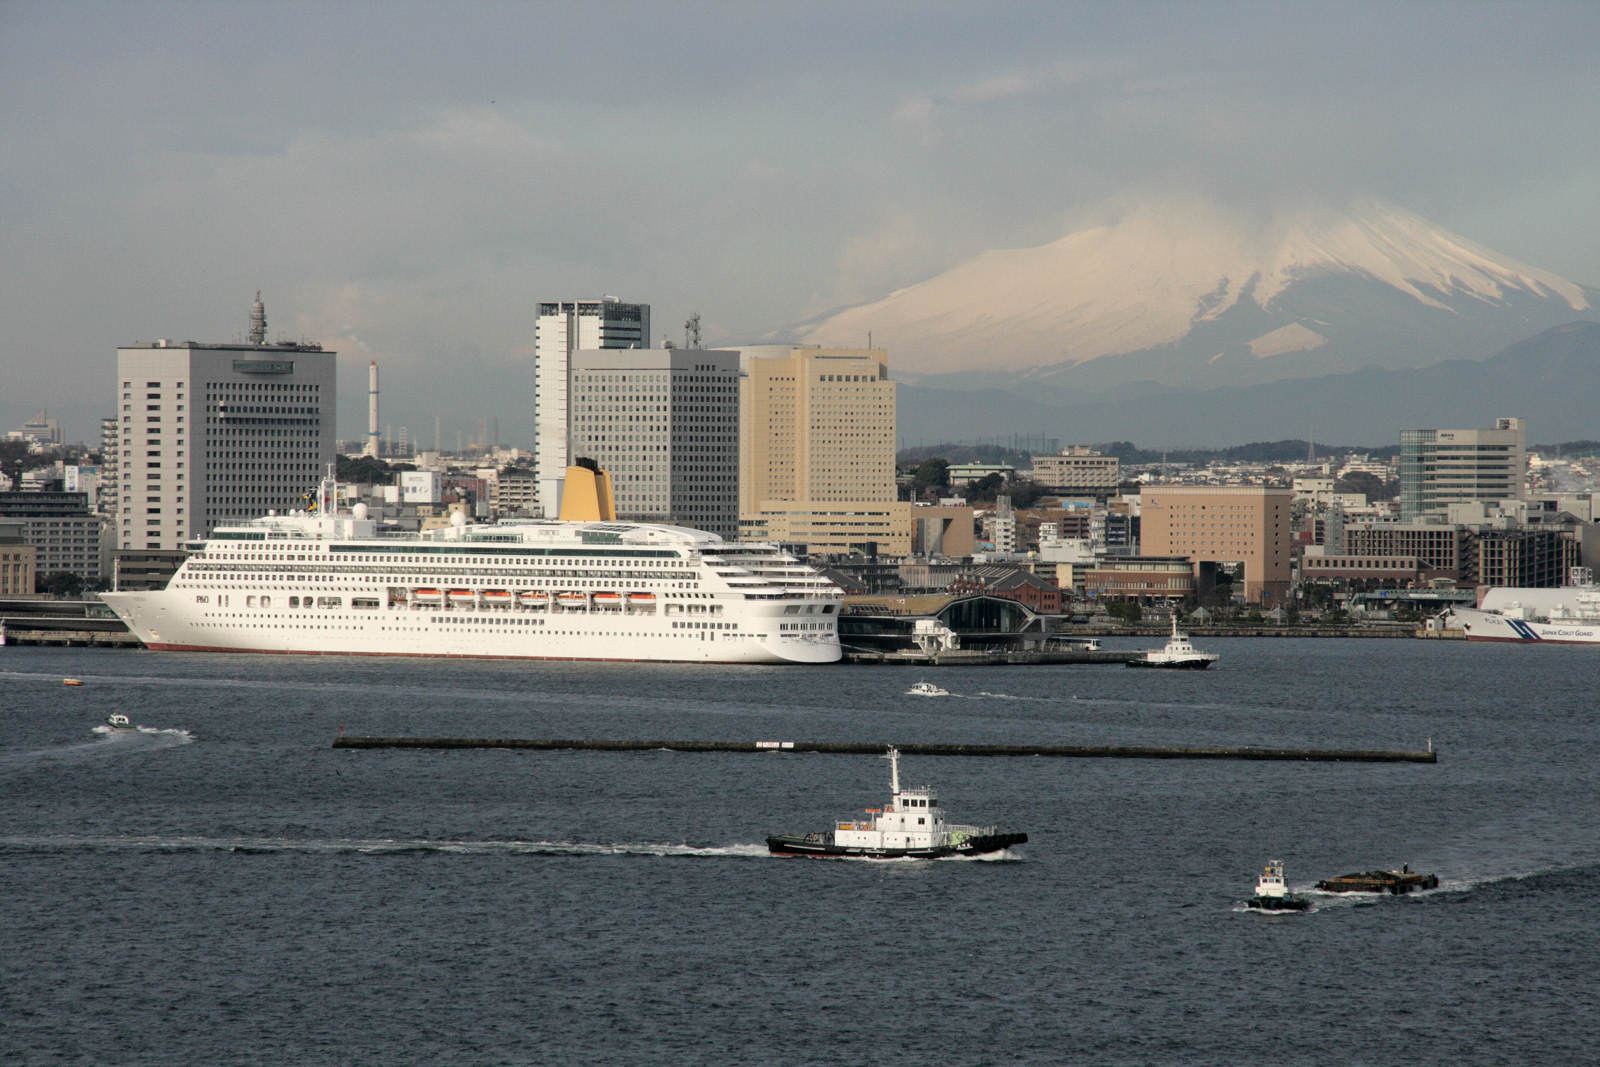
(893, 756)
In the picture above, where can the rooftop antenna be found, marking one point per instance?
(258, 321)
(691, 331)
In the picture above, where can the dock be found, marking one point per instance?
(979, 657)
(853, 748)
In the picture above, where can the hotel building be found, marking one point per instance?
(816, 452)
(1211, 525)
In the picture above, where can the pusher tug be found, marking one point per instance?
(912, 826)
(1178, 655)
(1272, 892)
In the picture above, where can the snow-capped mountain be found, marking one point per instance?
(1181, 293)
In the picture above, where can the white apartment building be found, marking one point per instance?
(209, 434)
(664, 422)
(562, 328)
(1077, 468)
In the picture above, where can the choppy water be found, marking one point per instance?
(223, 887)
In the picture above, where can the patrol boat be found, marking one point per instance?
(1272, 892)
(912, 826)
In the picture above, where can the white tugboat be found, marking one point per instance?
(1178, 655)
(912, 826)
(1272, 892)
(927, 689)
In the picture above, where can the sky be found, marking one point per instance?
(404, 181)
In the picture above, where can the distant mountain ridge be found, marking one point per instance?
(1180, 294)
(1551, 379)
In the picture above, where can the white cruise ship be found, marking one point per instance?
(327, 582)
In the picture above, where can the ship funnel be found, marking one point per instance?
(586, 496)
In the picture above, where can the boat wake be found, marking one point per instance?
(182, 736)
(373, 847)
(986, 695)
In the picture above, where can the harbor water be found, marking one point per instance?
(221, 885)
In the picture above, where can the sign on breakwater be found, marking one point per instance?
(852, 748)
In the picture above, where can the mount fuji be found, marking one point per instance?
(1179, 294)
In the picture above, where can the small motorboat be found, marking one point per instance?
(1178, 655)
(1272, 892)
(1394, 882)
(71, 681)
(927, 689)
(912, 826)
(118, 721)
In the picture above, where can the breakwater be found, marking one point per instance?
(851, 748)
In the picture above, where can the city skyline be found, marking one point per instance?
(165, 167)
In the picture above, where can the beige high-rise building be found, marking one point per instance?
(816, 454)
(1212, 524)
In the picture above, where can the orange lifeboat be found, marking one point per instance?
(572, 599)
(608, 600)
(427, 596)
(462, 596)
(497, 598)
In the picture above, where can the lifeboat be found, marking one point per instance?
(533, 598)
(572, 599)
(427, 596)
(608, 600)
(497, 598)
(647, 600)
(462, 596)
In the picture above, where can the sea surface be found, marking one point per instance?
(222, 886)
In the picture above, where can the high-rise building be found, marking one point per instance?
(562, 328)
(1443, 467)
(816, 450)
(209, 434)
(1216, 525)
(664, 423)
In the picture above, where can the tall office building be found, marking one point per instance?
(665, 424)
(1443, 467)
(562, 328)
(816, 452)
(209, 434)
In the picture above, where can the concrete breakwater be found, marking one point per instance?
(851, 748)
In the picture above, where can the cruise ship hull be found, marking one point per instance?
(337, 584)
(1492, 626)
(164, 622)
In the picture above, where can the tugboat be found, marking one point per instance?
(118, 721)
(1178, 655)
(927, 689)
(1272, 892)
(912, 826)
(1395, 882)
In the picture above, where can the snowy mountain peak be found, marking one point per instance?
(1165, 269)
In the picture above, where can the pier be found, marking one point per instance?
(853, 748)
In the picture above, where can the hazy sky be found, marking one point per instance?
(403, 181)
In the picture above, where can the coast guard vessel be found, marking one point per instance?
(594, 588)
(1567, 615)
